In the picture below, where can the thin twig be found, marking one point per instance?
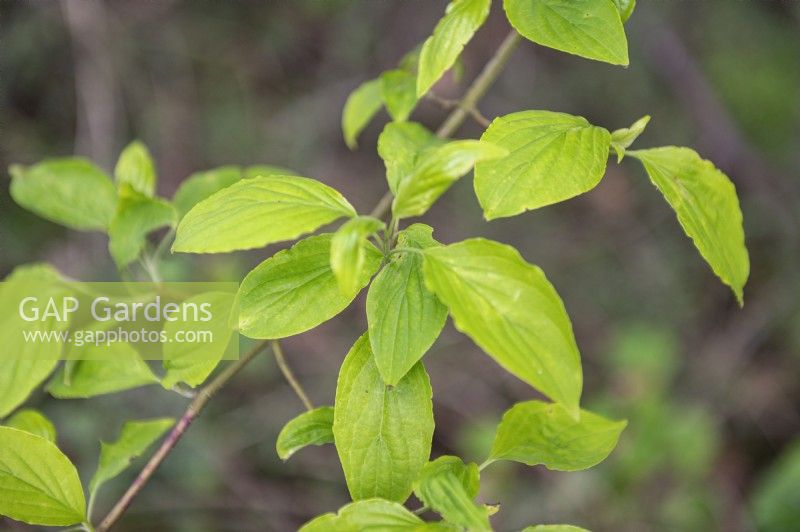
(482, 83)
(192, 411)
(287, 372)
(447, 103)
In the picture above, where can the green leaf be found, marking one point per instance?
(400, 145)
(774, 499)
(33, 422)
(295, 290)
(554, 528)
(362, 104)
(398, 91)
(25, 365)
(135, 168)
(137, 215)
(371, 514)
(118, 367)
(383, 433)
(436, 170)
(552, 157)
(309, 428)
(625, 8)
(588, 28)
(38, 484)
(69, 191)
(201, 185)
(510, 309)
(193, 362)
(134, 439)
(440, 51)
(255, 212)
(449, 487)
(259, 170)
(349, 251)
(621, 139)
(707, 207)
(536, 433)
(404, 317)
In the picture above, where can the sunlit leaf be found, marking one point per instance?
(136, 169)
(454, 30)
(295, 290)
(510, 309)
(404, 317)
(588, 28)
(537, 433)
(382, 433)
(349, 250)
(255, 212)
(436, 170)
(70, 191)
(309, 428)
(552, 157)
(38, 484)
(134, 439)
(34, 422)
(362, 104)
(707, 207)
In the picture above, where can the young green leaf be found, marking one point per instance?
(34, 422)
(309, 428)
(117, 367)
(134, 439)
(136, 169)
(510, 309)
(707, 207)
(192, 363)
(449, 487)
(255, 212)
(362, 104)
(69, 191)
(25, 365)
(537, 433)
(295, 290)
(625, 8)
(371, 514)
(201, 185)
(621, 139)
(404, 317)
(137, 215)
(552, 157)
(588, 28)
(436, 170)
(440, 51)
(398, 90)
(349, 249)
(38, 484)
(382, 433)
(400, 144)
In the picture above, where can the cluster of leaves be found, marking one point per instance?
(381, 421)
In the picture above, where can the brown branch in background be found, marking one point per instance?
(194, 409)
(447, 103)
(475, 92)
(289, 375)
(96, 92)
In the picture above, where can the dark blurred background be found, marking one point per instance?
(711, 391)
